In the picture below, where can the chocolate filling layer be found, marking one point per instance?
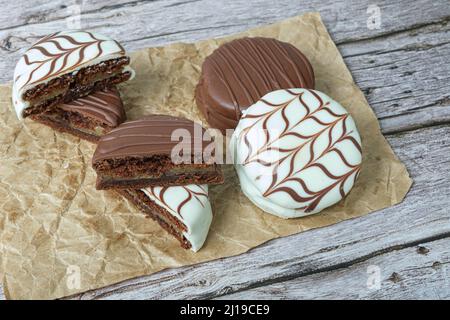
(180, 175)
(152, 170)
(74, 123)
(69, 87)
(151, 166)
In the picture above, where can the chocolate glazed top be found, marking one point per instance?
(151, 135)
(240, 72)
(104, 106)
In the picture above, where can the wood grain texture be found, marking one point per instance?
(187, 20)
(418, 272)
(406, 46)
(417, 220)
(403, 68)
(405, 76)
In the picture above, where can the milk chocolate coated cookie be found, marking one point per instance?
(297, 152)
(157, 150)
(89, 117)
(65, 66)
(240, 72)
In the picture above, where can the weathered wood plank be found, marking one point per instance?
(159, 22)
(422, 217)
(406, 76)
(173, 18)
(403, 72)
(419, 272)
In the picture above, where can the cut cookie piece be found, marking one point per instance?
(64, 66)
(89, 117)
(240, 72)
(157, 150)
(183, 211)
(296, 152)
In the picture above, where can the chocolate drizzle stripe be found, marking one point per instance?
(44, 39)
(28, 62)
(356, 143)
(265, 63)
(292, 93)
(195, 194)
(105, 106)
(271, 76)
(272, 57)
(182, 203)
(270, 61)
(263, 75)
(225, 61)
(221, 77)
(301, 73)
(240, 72)
(154, 145)
(234, 58)
(44, 52)
(164, 196)
(341, 155)
(136, 125)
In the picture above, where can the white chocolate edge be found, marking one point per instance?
(197, 222)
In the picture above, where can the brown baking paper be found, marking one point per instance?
(55, 223)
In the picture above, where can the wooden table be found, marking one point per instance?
(403, 67)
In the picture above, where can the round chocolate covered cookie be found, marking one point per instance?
(297, 152)
(240, 72)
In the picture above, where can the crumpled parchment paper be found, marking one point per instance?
(60, 236)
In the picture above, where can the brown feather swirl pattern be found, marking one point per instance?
(60, 53)
(300, 149)
(176, 198)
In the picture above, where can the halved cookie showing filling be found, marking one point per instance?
(157, 150)
(89, 117)
(65, 66)
(183, 211)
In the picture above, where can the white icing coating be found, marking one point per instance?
(296, 152)
(189, 204)
(57, 54)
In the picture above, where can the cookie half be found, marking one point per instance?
(183, 211)
(157, 150)
(65, 66)
(89, 117)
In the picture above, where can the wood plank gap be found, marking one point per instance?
(183, 31)
(410, 29)
(336, 267)
(104, 8)
(408, 128)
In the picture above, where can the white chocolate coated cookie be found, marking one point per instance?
(296, 152)
(189, 204)
(58, 54)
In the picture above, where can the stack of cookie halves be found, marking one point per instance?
(67, 80)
